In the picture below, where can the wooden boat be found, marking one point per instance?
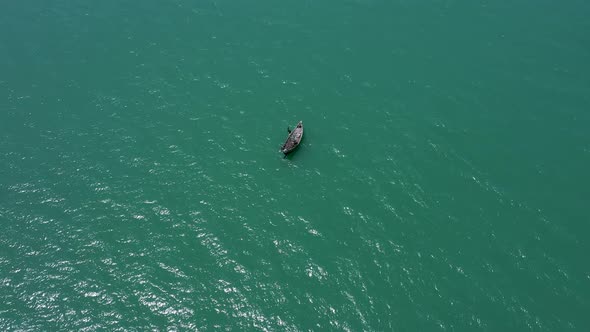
(293, 139)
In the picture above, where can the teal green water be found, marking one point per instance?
(442, 183)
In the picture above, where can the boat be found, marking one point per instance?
(293, 139)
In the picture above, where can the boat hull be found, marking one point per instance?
(293, 140)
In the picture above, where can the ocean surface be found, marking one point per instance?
(442, 183)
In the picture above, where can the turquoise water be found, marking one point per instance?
(441, 185)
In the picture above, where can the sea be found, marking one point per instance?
(442, 183)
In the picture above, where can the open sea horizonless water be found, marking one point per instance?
(441, 185)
